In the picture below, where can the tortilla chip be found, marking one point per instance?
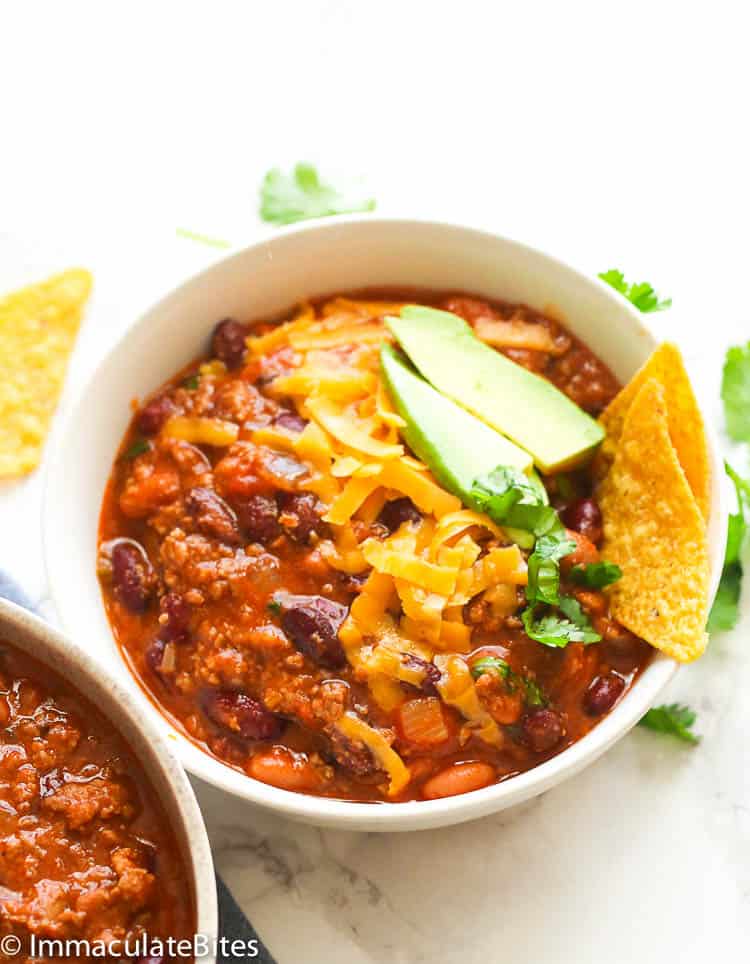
(685, 423)
(38, 326)
(654, 530)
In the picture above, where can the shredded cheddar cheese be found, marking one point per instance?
(409, 612)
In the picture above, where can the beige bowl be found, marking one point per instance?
(167, 778)
(340, 254)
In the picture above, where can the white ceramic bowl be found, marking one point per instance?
(92, 678)
(268, 277)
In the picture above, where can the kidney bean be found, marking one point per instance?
(212, 515)
(312, 623)
(154, 655)
(459, 778)
(542, 730)
(132, 575)
(240, 714)
(290, 422)
(398, 511)
(228, 342)
(177, 611)
(602, 694)
(284, 769)
(431, 673)
(302, 512)
(154, 414)
(584, 515)
(258, 517)
(354, 757)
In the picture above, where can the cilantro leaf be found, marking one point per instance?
(301, 195)
(191, 382)
(510, 498)
(532, 691)
(641, 295)
(555, 630)
(596, 575)
(544, 567)
(726, 606)
(725, 610)
(138, 447)
(673, 718)
(735, 392)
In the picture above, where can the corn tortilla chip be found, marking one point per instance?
(38, 326)
(685, 423)
(654, 530)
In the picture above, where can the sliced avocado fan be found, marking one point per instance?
(526, 408)
(455, 445)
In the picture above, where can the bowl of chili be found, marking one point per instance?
(110, 843)
(272, 505)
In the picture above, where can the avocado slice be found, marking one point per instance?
(455, 445)
(526, 408)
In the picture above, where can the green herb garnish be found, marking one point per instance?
(641, 295)
(532, 691)
(552, 629)
(596, 575)
(138, 447)
(735, 392)
(301, 195)
(726, 606)
(274, 606)
(675, 719)
(510, 498)
(191, 382)
(202, 239)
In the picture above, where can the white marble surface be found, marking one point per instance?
(610, 135)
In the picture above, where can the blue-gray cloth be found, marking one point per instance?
(233, 925)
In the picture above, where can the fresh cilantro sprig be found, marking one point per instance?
(596, 575)
(511, 499)
(641, 295)
(675, 719)
(300, 195)
(552, 629)
(735, 392)
(725, 610)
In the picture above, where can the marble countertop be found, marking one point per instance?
(604, 159)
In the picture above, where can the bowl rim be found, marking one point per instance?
(65, 658)
(384, 816)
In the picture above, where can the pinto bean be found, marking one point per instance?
(240, 714)
(602, 694)
(459, 778)
(132, 575)
(228, 342)
(154, 654)
(154, 414)
(285, 769)
(312, 623)
(258, 516)
(542, 730)
(584, 515)
(398, 511)
(212, 515)
(301, 515)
